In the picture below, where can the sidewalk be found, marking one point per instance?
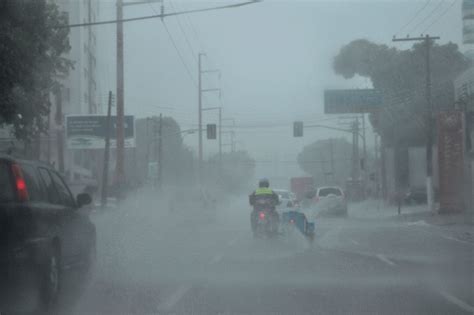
(458, 226)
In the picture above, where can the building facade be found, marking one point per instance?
(78, 94)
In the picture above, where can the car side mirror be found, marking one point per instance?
(83, 199)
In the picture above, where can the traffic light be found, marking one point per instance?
(211, 131)
(298, 129)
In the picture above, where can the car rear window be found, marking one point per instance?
(6, 184)
(324, 192)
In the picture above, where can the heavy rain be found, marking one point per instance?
(236, 157)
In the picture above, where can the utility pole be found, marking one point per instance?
(220, 127)
(200, 111)
(105, 170)
(60, 131)
(364, 165)
(220, 137)
(377, 164)
(120, 167)
(331, 151)
(428, 40)
(355, 151)
(89, 59)
(160, 153)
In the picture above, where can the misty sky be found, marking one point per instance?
(275, 59)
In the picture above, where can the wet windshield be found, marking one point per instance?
(237, 157)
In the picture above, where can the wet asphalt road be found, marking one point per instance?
(151, 261)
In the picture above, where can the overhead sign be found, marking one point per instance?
(352, 101)
(88, 131)
(451, 161)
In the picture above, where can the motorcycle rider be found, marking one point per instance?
(265, 194)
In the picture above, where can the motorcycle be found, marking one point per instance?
(266, 225)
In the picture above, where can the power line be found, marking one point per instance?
(414, 16)
(184, 33)
(180, 55)
(428, 16)
(161, 16)
(441, 15)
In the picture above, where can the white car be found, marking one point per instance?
(330, 200)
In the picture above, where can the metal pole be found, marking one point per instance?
(429, 116)
(376, 149)
(200, 110)
(89, 58)
(147, 147)
(120, 101)
(160, 152)
(364, 145)
(429, 141)
(105, 170)
(60, 131)
(332, 160)
(220, 135)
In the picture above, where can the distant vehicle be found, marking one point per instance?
(301, 185)
(416, 196)
(330, 200)
(43, 232)
(287, 198)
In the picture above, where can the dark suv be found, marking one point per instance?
(42, 230)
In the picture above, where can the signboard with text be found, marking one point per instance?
(352, 101)
(88, 131)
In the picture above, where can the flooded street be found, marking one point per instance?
(156, 262)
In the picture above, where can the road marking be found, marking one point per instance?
(216, 259)
(383, 258)
(175, 298)
(455, 239)
(456, 301)
(354, 242)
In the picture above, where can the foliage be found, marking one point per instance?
(177, 159)
(315, 159)
(32, 62)
(401, 76)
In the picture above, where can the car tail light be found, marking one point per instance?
(261, 215)
(19, 183)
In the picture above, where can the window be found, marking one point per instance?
(6, 187)
(49, 186)
(65, 197)
(324, 192)
(32, 185)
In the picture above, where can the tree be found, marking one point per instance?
(315, 159)
(400, 75)
(177, 159)
(32, 62)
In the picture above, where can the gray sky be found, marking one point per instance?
(275, 59)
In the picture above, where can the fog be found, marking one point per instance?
(275, 58)
(353, 221)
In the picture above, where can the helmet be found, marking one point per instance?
(263, 183)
